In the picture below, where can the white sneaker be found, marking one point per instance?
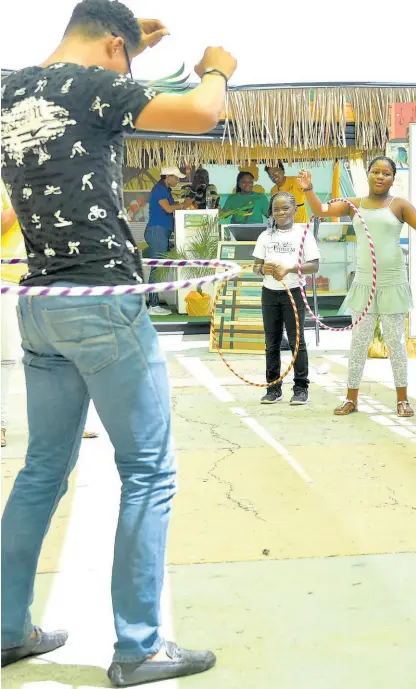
(158, 311)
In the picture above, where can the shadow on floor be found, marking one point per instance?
(42, 672)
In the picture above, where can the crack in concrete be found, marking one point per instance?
(243, 504)
(394, 502)
(209, 424)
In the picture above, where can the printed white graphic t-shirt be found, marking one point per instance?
(281, 247)
(62, 156)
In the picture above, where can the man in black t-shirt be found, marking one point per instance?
(63, 126)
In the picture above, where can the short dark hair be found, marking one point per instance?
(279, 166)
(96, 18)
(240, 177)
(387, 160)
(201, 172)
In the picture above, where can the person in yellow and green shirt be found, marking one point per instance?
(289, 184)
(254, 170)
(245, 207)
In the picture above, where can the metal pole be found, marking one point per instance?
(315, 295)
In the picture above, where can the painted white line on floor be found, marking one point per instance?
(267, 438)
(229, 382)
(364, 408)
(198, 369)
(405, 421)
(380, 407)
(371, 406)
(375, 370)
(239, 411)
(404, 432)
(194, 365)
(86, 572)
(384, 420)
(174, 343)
(335, 385)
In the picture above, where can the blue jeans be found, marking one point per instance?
(104, 349)
(158, 240)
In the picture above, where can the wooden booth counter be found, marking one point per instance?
(238, 320)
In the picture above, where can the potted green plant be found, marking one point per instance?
(202, 245)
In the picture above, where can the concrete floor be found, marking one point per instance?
(293, 541)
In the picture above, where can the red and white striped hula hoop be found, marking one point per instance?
(228, 365)
(373, 259)
(231, 269)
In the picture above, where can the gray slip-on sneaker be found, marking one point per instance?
(181, 662)
(39, 643)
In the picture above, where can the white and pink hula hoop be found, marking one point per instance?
(231, 270)
(374, 278)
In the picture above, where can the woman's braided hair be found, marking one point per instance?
(279, 195)
(239, 178)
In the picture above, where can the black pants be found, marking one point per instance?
(278, 312)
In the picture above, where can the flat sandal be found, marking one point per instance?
(344, 409)
(89, 435)
(404, 409)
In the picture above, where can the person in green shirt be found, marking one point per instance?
(245, 207)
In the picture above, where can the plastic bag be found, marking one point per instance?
(378, 348)
(198, 304)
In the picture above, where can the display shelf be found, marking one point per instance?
(338, 260)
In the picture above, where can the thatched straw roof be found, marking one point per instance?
(293, 122)
(290, 123)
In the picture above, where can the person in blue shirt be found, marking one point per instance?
(160, 226)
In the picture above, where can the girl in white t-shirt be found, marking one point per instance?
(276, 254)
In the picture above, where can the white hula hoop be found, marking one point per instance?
(231, 270)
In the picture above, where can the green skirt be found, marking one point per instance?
(388, 299)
